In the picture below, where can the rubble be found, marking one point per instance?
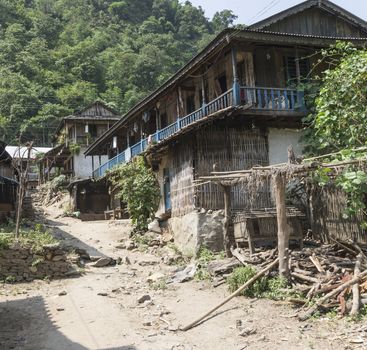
(184, 274)
(102, 262)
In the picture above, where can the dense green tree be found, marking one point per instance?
(58, 55)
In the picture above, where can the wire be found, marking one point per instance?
(266, 9)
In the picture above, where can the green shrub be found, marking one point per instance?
(58, 183)
(5, 240)
(241, 275)
(139, 189)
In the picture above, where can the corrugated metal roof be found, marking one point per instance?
(21, 152)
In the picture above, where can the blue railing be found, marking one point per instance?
(273, 99)
(256, 97)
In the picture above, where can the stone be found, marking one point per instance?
(196, 229)
(94, 257)
(155, 277)
(127, 260)
(130, 245)
(154, 226)
(102, 262)
(102, 294)
(60, 309)
(147, 262)
(185, 274)
(144, 298)
(120, 246)
(147, 322)
(63, 292)
(58, 258)
(33, 269)
(224, 266)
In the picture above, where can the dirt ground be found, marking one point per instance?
(34, 315)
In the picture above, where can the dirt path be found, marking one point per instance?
(34, 316)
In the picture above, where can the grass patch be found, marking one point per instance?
(265, 287)
(34, 239)
(159, 285)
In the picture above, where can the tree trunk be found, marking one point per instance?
(283, 227)
(23, 179)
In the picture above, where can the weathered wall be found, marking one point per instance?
(83, 164)
(18, 263)
(227, 149)
(196, 229)
(279, 140)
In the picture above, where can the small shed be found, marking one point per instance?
(91, 198)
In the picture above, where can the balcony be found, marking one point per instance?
(255, 98)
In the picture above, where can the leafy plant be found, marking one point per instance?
(241, 275)
(74, 149)
(139, 189)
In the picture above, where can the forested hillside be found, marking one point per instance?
(58, 55)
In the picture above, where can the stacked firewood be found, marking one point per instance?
(325, 275)
(319, 271)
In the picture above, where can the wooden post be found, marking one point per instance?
(283, 227)
(228, 237)
(298, 70)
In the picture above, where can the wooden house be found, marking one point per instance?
(236, 104)
(8, 184)
(73, 135)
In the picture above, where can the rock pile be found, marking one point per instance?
(18, 263)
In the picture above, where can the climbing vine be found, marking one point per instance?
(138, 187)
(338, 122)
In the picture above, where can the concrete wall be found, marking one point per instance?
(83, 165)
(279, 140)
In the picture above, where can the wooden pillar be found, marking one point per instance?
(283, 227)
(298, 71)
(228, 237)
(236, 85)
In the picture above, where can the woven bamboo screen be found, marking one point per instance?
(229, 149)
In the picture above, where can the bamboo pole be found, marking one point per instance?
(237, 292)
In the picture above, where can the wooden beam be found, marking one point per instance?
(283, 227)
(228, 237)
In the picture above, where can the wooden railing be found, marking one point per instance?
(256, 97)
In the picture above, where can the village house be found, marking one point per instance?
(8, 184)
(20, 154)
(237, 104)
(72, 136)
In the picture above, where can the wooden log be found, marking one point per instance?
(334, 292)
(355, 290)
(237, 292)
(316, 262)
(304, 277)
(283, 227)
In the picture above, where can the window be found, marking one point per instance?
(92, 130)
(291, 70)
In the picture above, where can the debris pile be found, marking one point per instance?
(335, 273)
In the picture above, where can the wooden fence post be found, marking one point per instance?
(228, 238)
(283, 227)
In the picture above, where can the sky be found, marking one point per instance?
(251, 11)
